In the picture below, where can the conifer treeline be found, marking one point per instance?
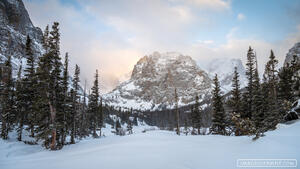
(45, 102)
(262, 104)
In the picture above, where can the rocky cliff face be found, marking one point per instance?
(15, 25)
(295, 50)
(154, 80)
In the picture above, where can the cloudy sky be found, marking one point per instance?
(111, 35)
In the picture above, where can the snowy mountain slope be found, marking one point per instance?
(155, 149)
(295, 50)
(224, 67)
(154, 80)
(15, 25)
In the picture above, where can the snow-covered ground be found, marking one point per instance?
(155, 149)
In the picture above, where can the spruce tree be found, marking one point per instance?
(55, 92)
(66, 109)
(46, 38)
(235, 101)
(101, 116)
(29, 83)
(285, 88)
(186, 130)
(177, 113)
(75, 102)
(20, 104)
(218, 121)
(8, 102)
(272, 115)
(50, 98)
(248, 95)
(42, 102)
(118, 127)
(83, 124)
(93, 108)
(196, 116)
(258, 113)
(129, 126)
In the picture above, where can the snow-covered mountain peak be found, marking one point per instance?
(154, 80)
(160, 61)
(224, 67)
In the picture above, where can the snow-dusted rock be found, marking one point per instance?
(154, 79)
(15, 25)
(295, 50)
(224, 67)
(294, 113)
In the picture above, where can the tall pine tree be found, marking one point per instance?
(7, 100)
(75, 103)
(258, 113)
(272, 115)
(218, 121)
(196, 116)
(236, 98)
(248, 95)
(29, 83)
(93, 108)
(20, 104)
(177, 113)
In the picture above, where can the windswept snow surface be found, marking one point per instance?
(155, 150)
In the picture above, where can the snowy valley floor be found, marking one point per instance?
(155, 150)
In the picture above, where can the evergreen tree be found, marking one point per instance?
(42, 102)
(101, 120)
(118, 127)
(55, 92)
(248, 95)
(8, 102)
(135, 120)
(186, 130)
(285, 88)
(83, 124)
(94, 105)
(66, 109)
(50, 101)
(235, 100)
(75, 102)
(177, 113)
(46, 38)
(20, 104)
(196, 116)
(218, 121)
(129, 126)
(272, 116)
(258, 113)
(29, 83)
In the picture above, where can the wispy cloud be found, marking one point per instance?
(241, 16)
